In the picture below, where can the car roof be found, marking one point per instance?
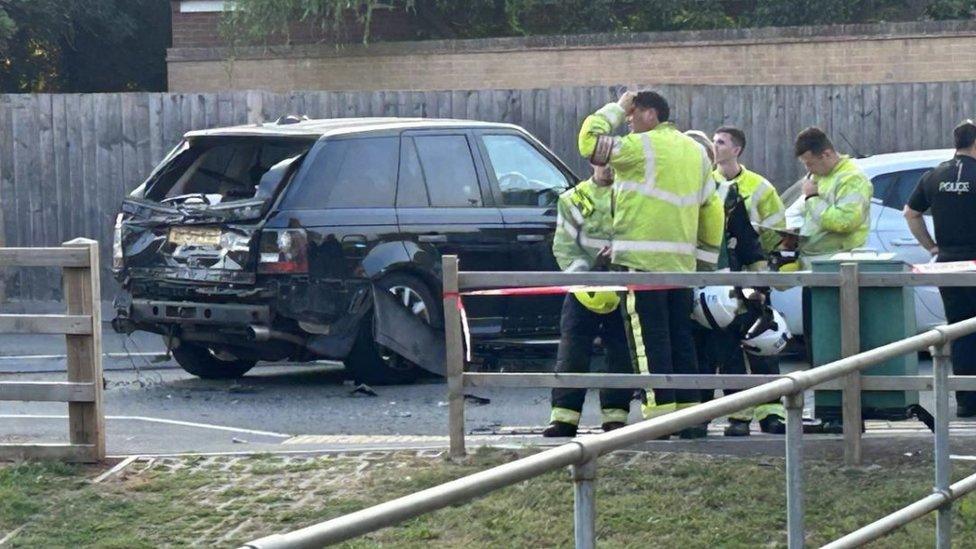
(339, 126)
(890, 162)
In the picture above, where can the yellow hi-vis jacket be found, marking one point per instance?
(583, 225)
(763, 203)
(838, 218)
(666, 213)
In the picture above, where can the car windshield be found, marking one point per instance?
(220, 170)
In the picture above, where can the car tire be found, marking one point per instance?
(373, 364)
(199, 361)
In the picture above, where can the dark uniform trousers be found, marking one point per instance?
(659, 333)
(720, 351)
(960, 304)
(579, 327)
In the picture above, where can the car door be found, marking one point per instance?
(891, 234)
(445, 208)
(344, 200)
(526, 182)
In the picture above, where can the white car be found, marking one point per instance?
(894, 176)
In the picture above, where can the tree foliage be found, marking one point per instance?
(83, 45)
(256, 21)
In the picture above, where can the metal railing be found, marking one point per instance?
(580, 454)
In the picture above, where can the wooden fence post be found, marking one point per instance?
(82, 294)
(850, 344)
(455, 356)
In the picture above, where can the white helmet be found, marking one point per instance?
(767, 336)
(716, 307)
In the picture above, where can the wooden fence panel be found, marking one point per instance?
(66, 161)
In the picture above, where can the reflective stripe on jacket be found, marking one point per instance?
(583, 225)
(666, 215)
(763, 203)
(838, 219)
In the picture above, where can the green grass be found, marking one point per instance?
(649, 500)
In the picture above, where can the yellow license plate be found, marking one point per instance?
(194, 236)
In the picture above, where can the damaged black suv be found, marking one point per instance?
(268, 242)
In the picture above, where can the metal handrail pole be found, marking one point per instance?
(941, 364)
(903, 516)
(584, 504)
(795, 533)
(587, 448)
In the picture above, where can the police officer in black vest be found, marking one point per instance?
(949, 190)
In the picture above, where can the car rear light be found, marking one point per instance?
(283, 251)
(117, 257)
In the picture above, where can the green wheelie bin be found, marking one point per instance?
(886, 315)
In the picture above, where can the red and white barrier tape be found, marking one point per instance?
(947, 267)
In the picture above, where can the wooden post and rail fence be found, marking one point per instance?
(81, 327)
(848, 281)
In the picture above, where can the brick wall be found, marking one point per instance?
(847, 54)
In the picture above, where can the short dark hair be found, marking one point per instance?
(737, 135)
(964, 134)
(656, 101)
(812, 140)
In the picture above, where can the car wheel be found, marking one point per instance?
(374, 364)
(204, 363)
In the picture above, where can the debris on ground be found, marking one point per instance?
(477, 400)
(363, 390)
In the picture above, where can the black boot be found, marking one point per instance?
(611, 425)
(737, 428)
(773, 425)
(693, 432)
(559, 429)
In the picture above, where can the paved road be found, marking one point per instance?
(157, 408)
(36, 353)
(154, 407)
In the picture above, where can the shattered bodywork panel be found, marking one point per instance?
(181, 246)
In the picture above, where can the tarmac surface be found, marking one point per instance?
(154, 408)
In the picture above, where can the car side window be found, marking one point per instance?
(411, 188)
(882, 185)
(448, 169)
(907, 181)
(894, 189)
(525, 176)
(352, 173)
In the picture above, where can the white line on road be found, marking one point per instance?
(158, 420)
(60, 357)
